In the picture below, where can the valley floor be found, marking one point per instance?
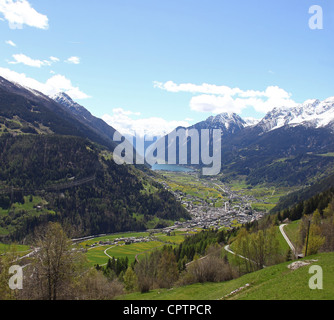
(213, 204)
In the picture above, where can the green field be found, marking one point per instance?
(267, 197)
(33, 206)
(272, 283)
(176, 237)
(329, 154)
(114, 236)
(291, 231)
(20, 250)
(193, 186)
(97, 255)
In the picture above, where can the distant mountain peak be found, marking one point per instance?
(251, 121)
(312, 112)
(65, 100)
(61, 95)
(225, 117)
(228, 123)
(18, 88)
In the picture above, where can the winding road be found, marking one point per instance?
(228, 249)
(293, 249)
(281, 228)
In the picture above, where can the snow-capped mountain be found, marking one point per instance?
(250, 122)
(37, 110)
(84, 115)
(311, 113)
(65, 100)
(99, 126)
(229, 123)
(18, 88)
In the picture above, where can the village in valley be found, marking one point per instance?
(235, 209)
(227, 210)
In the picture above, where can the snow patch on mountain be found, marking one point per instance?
(65, 100)
(312, 113)
(228, 122)
(250, 122)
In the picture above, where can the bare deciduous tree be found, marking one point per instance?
(55, 264)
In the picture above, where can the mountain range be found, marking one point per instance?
(311, 113)
(50, 145)
(290, 146)
(42, 114)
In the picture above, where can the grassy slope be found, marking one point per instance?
(291, 231)
(273, 283)
(28, 206)
(20, 249)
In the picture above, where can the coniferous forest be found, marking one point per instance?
(108, 198)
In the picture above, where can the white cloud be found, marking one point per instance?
(54, 59)
(214, 104)
(59, 83)
(74, 60)
(128, 125)
(192, 88)
(22, 58)
(55, 84)
(20, 12)
(218, 99)
(11, 43)
(126, 113)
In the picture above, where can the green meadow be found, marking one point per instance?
(273, 283)
(33, 206)
(20, 249)
(113, 236)
(191, 185)
(98, 255)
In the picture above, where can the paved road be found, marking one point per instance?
(293, 249)
(228, 249)
(105, 252)
(281, 228)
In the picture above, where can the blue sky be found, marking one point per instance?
(153, 64)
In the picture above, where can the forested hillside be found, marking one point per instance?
(305, 193)
(288, 156)
(38, 179)
(29, 111)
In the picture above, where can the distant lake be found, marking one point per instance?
(170, 167)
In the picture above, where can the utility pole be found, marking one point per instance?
(308, 234)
